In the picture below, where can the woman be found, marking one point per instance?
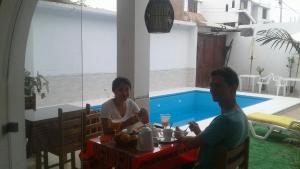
(120, 111)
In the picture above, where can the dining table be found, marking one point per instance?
(251, 77)
(290, 79)
(41, 128)
(103, 152)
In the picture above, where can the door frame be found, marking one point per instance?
(15, 16)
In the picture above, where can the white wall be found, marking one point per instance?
(274, 61)
(214, 11)
(174, 50)
(55, 42)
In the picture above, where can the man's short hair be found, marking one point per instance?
(120, 81)
(229, 75)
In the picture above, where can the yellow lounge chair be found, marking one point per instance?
(273, 122)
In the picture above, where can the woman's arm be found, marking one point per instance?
(141, 116)
(129, 121)
(106, 126)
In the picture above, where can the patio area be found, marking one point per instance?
(74, 51)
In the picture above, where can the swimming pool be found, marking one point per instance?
(191, 105)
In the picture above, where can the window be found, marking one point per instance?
(244, 4)
(192, 6)
(264, 13)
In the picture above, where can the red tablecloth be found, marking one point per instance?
(165, 156)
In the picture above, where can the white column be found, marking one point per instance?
(16, 16)
(133, 45)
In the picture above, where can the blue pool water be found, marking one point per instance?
(192, 105)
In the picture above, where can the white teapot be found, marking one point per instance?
(145, 140)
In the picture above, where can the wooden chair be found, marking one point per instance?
(69, 138)
(30, 102)
(92, 126)
(234, 158)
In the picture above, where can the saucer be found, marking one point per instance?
(162, 140)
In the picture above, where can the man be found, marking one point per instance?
(229, 129)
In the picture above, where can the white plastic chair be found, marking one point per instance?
(264, 81)
(280, 83)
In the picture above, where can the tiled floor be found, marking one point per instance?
(53, 160)
(295, 113)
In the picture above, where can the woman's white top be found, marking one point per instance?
(110, 111)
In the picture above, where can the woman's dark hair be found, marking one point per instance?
(120, 81)
(229, 75)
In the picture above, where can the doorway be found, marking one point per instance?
(210, 56)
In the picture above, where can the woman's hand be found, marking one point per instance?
(194, 127)
(106, 125)
(130, 121)
(143, 116)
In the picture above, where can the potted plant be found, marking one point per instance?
(259, 71)
(291, 61)
(35, 85)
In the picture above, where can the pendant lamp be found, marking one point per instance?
(159, 16)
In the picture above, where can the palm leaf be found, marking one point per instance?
(279, 38)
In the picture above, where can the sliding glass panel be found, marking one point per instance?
(53, 66)
(54, 53)
(99, 50)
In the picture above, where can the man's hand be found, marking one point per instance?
(194, 127)
(177, 133)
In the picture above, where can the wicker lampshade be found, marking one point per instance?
(159, 16)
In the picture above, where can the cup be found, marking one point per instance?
(167, 134)
(155, 131)
(116, 125)
(165, 118)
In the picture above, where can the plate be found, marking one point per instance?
(162, 140)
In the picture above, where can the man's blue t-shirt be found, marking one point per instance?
(229, 130)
